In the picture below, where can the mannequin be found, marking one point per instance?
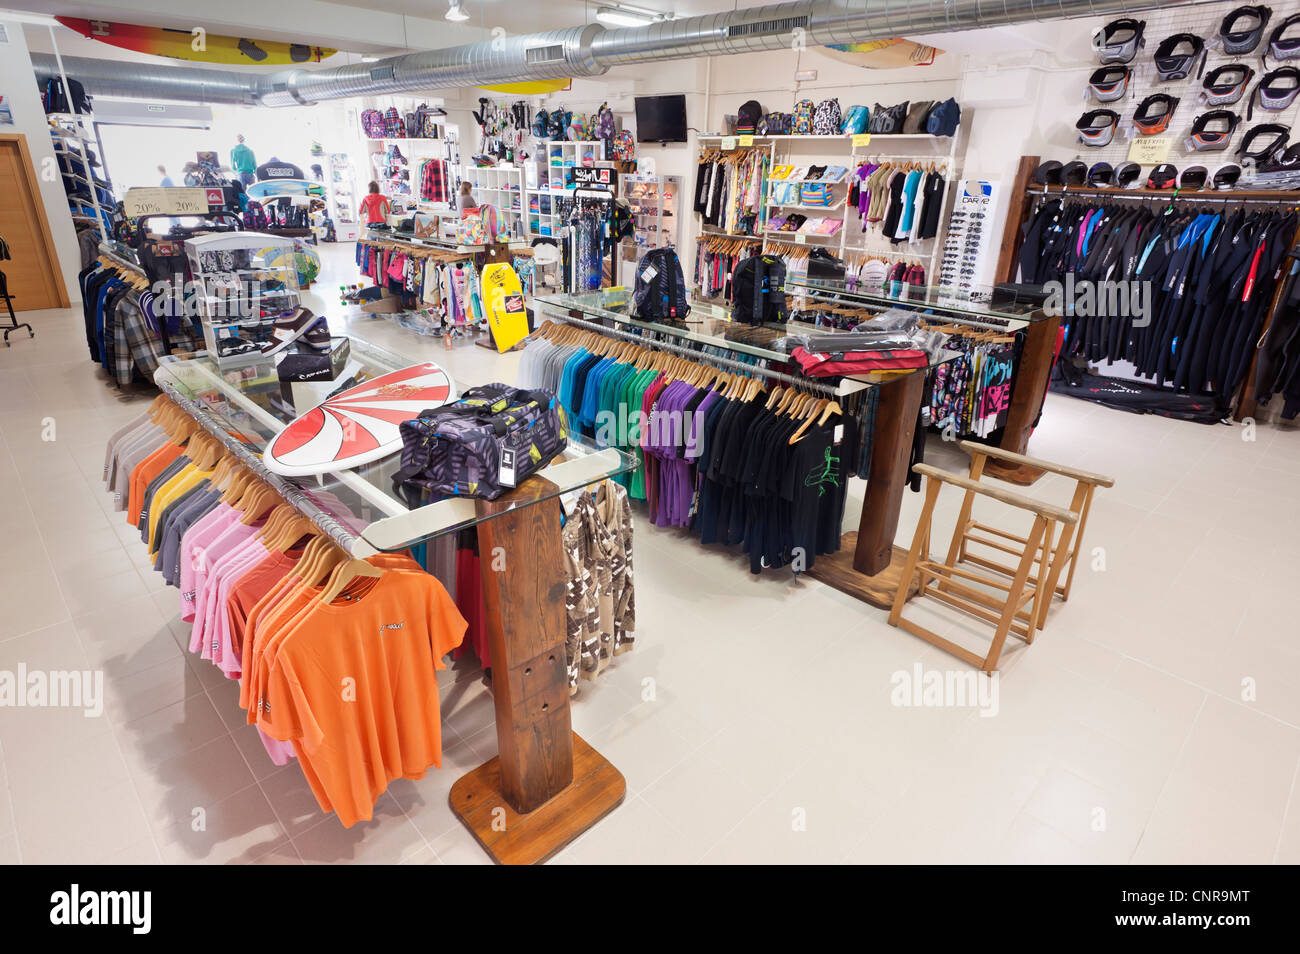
(243, 161)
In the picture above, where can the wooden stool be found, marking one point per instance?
(1067, 546)
(983, 605)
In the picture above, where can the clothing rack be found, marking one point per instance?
(1026, 196)
(739, 366)
(14, 323)
(292, 495)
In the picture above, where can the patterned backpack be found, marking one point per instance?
(603, 124)
(827, 119)
(624, 147)
(372, 123)
(255, 217)
(490, 440)
(803, 118)
(541, 124)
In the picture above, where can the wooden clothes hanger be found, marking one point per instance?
(344, 573)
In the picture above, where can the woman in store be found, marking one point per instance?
(465, 198)
(374, 207)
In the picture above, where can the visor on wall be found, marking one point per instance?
(1128, 175)
(1049, 173)
(1281, 46)
(1224, 85)
(1119, 40)
(1225, 176)
(1097, 127)
(1193, 177)
(1203, 139)
(1275, 91)
(1239, 39)
(1275, 137)
(1110, 83)
(1075, 173)
(1101, 175)
(1176, 56)
(1154, 112)
(1163, 176)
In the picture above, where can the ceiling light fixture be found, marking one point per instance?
(628, 16)
(455, 13)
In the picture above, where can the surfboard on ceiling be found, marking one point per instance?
(179, 44)
(883, 54)
(358, 425)
(530, 88)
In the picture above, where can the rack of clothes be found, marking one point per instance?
(716, 258)
(437, 183)
(738, 454)
(731, 189)
(970, 396)
(128, 328)
(1210, 263)
(441, 280)
(900, 197)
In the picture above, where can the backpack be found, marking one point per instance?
(576, 131)
(748, 116)
(255, 217)
(944, 119)
(774, 124)
(827, 119)
(372, 123)
(855, 120)
(758, 290)
(541, 124)
(625, 146)
(558, 124)
(660, 290)
(603, 125)
(490, 440)
(802, 124)
(55, 101)
(917, 114)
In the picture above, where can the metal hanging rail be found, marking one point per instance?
(292, 495)
(1223, 198)
(694, 355)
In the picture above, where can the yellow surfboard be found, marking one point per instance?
(201, 47)
(503, 297)
(530, 88)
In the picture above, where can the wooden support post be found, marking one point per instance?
(1009, 249)
(868, 565)
(546, 785)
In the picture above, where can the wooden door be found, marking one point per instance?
(35, 279)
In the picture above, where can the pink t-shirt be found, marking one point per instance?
(198, 536)
(206, 560)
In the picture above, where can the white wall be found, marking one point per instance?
(18, 86)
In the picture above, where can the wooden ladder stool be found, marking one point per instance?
(1062, 556)
(1001, 612)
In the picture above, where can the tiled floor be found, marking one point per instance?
(1157, 719)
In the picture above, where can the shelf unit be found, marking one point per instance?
(73, 135)
(341, 184)
(503, 188)
(655, 201)
(547, 181)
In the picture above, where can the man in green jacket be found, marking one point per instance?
(243, 162)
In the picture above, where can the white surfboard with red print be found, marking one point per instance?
(360, 424)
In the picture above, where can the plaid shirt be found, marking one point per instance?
(433, 181)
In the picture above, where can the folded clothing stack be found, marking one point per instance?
(857, 352)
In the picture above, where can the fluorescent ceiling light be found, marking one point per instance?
(34, 19)
(455, 13)
(621, 15)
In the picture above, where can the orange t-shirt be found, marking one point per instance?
(144, 473)
(354, 687)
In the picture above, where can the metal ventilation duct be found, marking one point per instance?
(582, 51)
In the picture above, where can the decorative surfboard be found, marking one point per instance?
(503, 297)
(180, 44)
(883, 54)
(272, 187)
(530, 87)
(358, 425)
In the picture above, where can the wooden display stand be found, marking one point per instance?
(546, 786)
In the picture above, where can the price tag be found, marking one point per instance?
(728, 142)
(158, 200)
(746, 141)
(506, 475)
(800, 238)
(1149, 150)
(861, 139)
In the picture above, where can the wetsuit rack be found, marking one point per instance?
(1027, 195)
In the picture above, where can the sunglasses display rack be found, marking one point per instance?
(965, 263)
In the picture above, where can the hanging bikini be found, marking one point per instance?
(1118, 41)
(1272, 93)
(1224, 85)
(1237, 42)
(1154, 112)
(1201, 139)
(1279, 133)
(1097, 127)
(1110, 83)
(1175, 63)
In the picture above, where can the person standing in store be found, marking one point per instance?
(465, 198)
(374, 207)
(166, 179)
(243, 161)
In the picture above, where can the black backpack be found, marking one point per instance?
(660, 290)
(56, 102)
(758, 291)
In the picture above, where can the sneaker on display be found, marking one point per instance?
(301, 325)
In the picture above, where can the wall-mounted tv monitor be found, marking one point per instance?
(661, 118)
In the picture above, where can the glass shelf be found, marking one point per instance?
(245, 410)
(955, 302)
